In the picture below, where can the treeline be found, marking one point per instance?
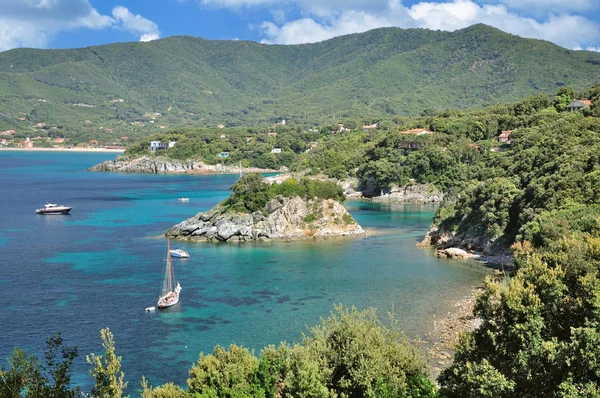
(350, 354)
(540, 330)
(251, 192)
(252, 147)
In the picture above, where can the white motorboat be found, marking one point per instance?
(150, 309)
(53, 208)
(168, 296)
(183, 199)
(179, 253)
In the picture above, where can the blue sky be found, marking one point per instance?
(78, 23)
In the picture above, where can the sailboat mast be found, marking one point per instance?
(169, 266)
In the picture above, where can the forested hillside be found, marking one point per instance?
(135, 88)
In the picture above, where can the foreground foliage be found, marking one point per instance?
(541, 328)
(350, 354)
(26, 375)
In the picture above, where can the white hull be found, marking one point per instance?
(169, 299)
(54, 210)
(163, 302)
(179, 253)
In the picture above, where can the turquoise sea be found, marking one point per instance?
(102, 265)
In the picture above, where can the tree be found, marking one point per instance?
(249, 193)
(168, 390)
(26, 374)
(106, 369)
(563, 97)
(225, 374)
(540, 332)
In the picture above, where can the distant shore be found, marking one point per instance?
(65, 150)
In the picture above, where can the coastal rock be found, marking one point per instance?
(283, 218)
(411, 193)
(454, 252)
(357, 189)
(163, 165)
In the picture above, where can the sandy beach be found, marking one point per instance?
(65, 149)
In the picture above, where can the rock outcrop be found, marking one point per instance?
(163, 165)
(455, 252)
(411, 193)
(283, 218)
(357, 189)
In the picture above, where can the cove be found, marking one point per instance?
(102, 265)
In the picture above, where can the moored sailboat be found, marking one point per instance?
(168, 296)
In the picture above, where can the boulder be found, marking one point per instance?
(454, 252)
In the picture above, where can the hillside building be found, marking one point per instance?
(159, 146)
(504, 137)
(419, 131)
(578, 105)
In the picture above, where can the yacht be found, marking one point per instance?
(180, 253)
(53, 208)
(168, 296)
(183, 199)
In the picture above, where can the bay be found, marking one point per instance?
(102, 265)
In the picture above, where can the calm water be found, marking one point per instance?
(102, 265)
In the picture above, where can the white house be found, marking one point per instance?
(158, 146)
(276, 150)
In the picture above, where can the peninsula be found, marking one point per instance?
(257, 210)
(164, 165)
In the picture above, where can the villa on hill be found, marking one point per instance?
(578, 105)
(159, 146)
(419, 131)
(504, 136)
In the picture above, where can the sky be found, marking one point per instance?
(574, 24)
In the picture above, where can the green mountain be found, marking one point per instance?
(195, 82)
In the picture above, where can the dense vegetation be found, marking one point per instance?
(251, 193)
(251, 146)
(132, 89)
(351, 354)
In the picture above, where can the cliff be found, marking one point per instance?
(163, 165)
(356, 189)
(282, 218)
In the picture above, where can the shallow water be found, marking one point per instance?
(102, 265)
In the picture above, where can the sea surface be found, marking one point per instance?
(101, 265)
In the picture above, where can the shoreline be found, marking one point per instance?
(64, 150)
(445, 331)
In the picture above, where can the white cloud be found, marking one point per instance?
(34, 23)
(567, 30)
(136, 24)
(540, 6)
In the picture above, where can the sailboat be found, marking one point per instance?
(168, 297)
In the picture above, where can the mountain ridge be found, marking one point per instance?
(195, 82)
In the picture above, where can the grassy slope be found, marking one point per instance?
(384, 71)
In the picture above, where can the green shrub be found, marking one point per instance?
(309, 218)
(347, 218)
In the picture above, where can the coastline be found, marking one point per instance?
(64, 150)
(445, 332)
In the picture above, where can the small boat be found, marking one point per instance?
(168, 296)
(150, 309)
(53, 208)
(183, 199)
(179, 253)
